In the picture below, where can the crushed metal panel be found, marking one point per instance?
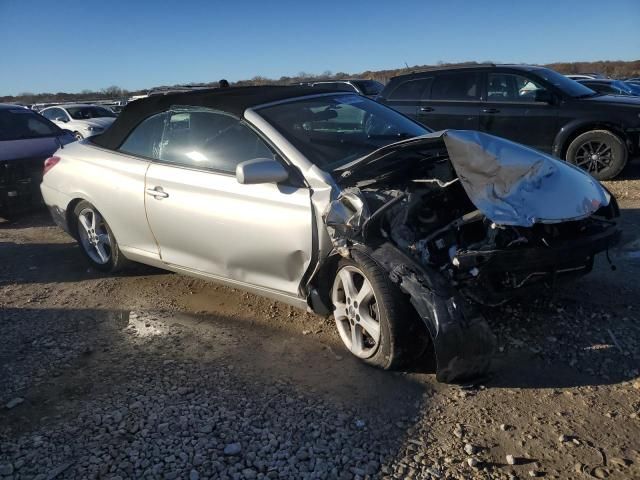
(463, 342)
(344, 218)
(516, 185)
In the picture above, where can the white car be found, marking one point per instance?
(83, 120)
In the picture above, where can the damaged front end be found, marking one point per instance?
(461, 218)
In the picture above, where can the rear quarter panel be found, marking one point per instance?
(113, 183)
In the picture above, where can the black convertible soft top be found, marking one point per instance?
(233, 100)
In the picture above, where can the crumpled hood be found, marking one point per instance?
(516, 185)
(509, 183)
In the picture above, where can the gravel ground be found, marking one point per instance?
(156, 375)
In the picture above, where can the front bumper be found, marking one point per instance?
(462, 339)
(494, 276)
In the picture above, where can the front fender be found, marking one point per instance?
(463, 342)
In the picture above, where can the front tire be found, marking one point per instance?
(96, 239)
(78, 136)
(374, 319)
(600, 152)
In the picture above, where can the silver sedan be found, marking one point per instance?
(334, 203)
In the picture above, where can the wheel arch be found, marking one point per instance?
(571, 131)
(71, 206)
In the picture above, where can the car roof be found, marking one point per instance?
(7, 106)
(458, 68)
(74, 105)
(344, 80)
(233, 100)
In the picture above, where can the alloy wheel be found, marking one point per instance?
(94, 236)
(356, 312)
(594, 156)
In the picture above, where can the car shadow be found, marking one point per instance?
(55, 262)
(34, 218)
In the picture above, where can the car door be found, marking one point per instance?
(519, 108)
(454, 101)
(205, 221)
(406, 97)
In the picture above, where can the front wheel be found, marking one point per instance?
(373, 318)
(78, 136)
(96, 239)
(600, 152)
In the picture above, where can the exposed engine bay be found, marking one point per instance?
(456, 225)
(440, 228)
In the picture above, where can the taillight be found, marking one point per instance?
(49, 163)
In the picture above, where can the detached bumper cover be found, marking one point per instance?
(462, 339)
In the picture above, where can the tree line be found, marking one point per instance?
(613, 69)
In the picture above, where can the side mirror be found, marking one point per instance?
(260, 170)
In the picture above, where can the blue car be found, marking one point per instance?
(26, 140)
(611, 87)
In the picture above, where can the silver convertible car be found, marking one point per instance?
(332, 202)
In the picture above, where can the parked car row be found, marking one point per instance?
(579, 121)
(82, 119)
(368, 88)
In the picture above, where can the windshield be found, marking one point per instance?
(20, 123)
(369, 87)
(568, 86)
(333, 130)
(622, 86)
(84, 113)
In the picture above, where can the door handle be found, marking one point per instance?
(490, 110)
(157, 192)
(426, 109)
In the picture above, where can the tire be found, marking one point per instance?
(601, 153)
(97, 242)
(78, 136)
(400, 336)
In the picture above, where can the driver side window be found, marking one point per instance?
(506, 87)
(211, 140)
(54, 114)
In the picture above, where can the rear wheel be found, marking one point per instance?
(600, 152)
(373, 318)
(96, 239)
